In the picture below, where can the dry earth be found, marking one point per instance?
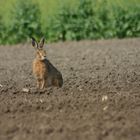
(100, 98)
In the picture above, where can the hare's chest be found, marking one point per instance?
(39, 69)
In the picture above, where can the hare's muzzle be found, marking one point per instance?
(43, 57)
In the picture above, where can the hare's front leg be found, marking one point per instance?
(42, 83)
(38, 83)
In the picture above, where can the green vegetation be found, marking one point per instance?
(68, 19)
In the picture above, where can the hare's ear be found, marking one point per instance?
(34, 43)
(42, 41)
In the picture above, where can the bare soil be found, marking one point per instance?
(100, 98)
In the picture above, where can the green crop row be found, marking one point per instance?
(70, 20)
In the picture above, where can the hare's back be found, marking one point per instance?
(51, 68)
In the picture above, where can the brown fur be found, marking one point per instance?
(45, 73)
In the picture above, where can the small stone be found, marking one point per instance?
(41, 101)
(25, 90)
(1, 85)
(80, 89)
(105, 108)
(104, 98)
(71, 93)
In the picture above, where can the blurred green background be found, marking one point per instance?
(68, 19)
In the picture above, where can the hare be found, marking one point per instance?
(45, 73)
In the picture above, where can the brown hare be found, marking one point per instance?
(45, 73)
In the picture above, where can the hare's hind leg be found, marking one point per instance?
(56, 83)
